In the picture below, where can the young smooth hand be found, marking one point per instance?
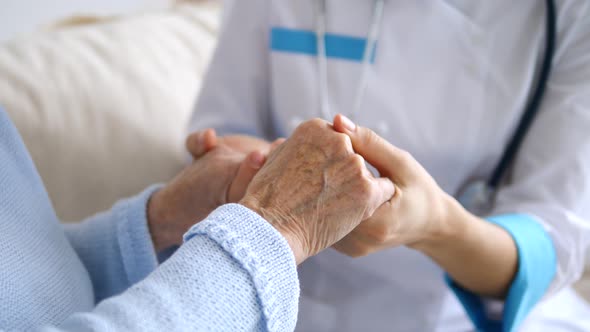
(314, 189)
(416, 213)
(476, 254)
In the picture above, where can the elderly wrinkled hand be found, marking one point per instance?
(200, 142)
(222, 169)
(416, 213)
(218, 177)
(314, 189)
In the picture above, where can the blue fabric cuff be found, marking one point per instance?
(537, 264)
(135, 241)
(263, 252)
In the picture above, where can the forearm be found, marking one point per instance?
(186, 293)
(115, 246)
(478, 255)
(234, 272)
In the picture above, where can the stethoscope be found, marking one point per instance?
(477, 196)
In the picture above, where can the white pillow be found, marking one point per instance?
(103, 108)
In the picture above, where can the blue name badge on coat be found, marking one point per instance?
(305, 42)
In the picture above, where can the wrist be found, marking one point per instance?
(156, 219)
(479, 256)
(293, 240)
(451, 226)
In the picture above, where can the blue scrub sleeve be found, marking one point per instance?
(537, 264)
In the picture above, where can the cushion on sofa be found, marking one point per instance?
(103, 107)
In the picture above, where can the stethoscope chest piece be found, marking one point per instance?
(477, 197)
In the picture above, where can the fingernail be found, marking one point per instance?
(256, 160)
(348, 124)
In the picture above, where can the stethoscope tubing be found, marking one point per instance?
(534, 105)
(322, 58)
(531, 110)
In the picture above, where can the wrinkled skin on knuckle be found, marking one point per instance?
(337, 212)
(311, 191)
(367, 197)
(358, 163)
(287, 186)
(362, 185)
(341, 143)
(310, 126)
(317, 123)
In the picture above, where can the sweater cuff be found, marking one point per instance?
(264, 253)
(133, 234)
(537, 264)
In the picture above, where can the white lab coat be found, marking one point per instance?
(449, 83)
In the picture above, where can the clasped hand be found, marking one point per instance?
(314, 188)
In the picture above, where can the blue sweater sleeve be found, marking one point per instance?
(234, 272)
(115, 246)
(537, 265)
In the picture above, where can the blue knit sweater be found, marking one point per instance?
(234, 272)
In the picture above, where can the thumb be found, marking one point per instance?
(384, 192)
(386, 158)
(201, 142)
(248, 169)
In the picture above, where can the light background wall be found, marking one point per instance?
(23, 16)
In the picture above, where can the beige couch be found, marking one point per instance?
(102, 104)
